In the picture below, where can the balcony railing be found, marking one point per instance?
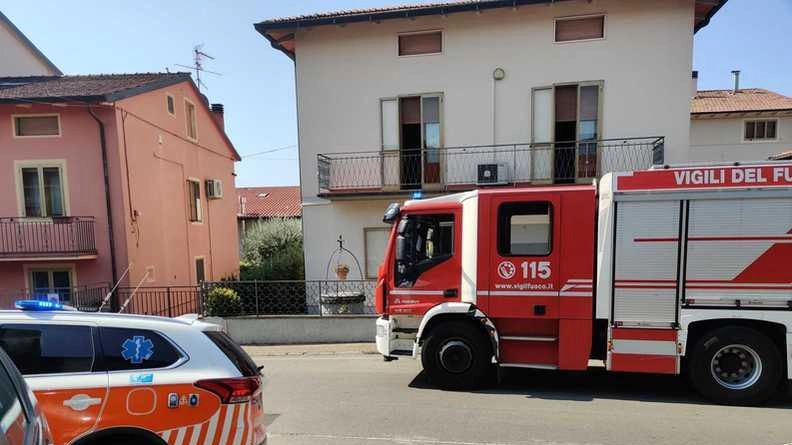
(26, 238)
(462, 168)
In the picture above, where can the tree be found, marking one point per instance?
(273, 250)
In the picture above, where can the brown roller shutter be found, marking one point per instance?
(580, 29)
(424, 43)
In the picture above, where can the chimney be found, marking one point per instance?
(694, 84)
(217, 114)
(736, 74)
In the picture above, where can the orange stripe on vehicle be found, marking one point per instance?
(644, 334)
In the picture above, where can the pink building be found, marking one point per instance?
(124, 177)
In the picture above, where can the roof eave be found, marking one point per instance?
(709, 16)
(145, 88)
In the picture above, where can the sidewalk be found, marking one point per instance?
(323, 349)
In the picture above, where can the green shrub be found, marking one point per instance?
(223, 302)
(273, 250)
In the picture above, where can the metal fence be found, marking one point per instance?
(56, 236)
(458, 168)
(311, 297)
(297, 297)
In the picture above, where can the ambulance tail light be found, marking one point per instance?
(232, 390)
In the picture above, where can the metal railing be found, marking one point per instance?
(467, 167)
(66, 236)
(311, 297)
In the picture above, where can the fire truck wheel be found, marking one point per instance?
(735, 366)
(456, 356)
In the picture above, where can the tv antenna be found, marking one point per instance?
(198, 60)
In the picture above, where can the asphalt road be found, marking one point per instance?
(353, 398)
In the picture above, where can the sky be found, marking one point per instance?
(257, 82)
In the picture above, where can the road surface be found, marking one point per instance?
(320, 395)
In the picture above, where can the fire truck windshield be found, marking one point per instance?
(422, 242)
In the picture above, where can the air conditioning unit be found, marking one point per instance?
(492, 174)
(214, 188)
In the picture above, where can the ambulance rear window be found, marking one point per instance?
(130, 349)
(246, 366)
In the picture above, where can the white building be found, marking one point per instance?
(451, 97)
(19, 55)
(740, 125)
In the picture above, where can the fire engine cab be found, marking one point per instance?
(669, 270)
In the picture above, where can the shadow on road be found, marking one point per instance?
(596, 384)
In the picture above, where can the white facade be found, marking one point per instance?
(723, 139)
(642, 65)
(20, 57)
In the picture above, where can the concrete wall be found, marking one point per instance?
(158, 232)
(722, 140)
(644, 63)
(19, 59)
(299, 329)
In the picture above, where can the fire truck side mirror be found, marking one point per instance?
(391, 213)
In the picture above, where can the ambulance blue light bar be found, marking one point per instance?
(38, 305)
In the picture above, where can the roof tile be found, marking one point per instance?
(93, 87)
(750, 99)
(270, 202)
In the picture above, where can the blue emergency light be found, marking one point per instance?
(417, 194)
(38, 305)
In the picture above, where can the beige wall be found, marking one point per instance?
(18, 59)
(157, 230)
(323, 223)
(342, 73)
(722, 140)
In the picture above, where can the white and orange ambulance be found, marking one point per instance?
(126, 379)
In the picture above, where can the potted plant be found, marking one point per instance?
(342, 271)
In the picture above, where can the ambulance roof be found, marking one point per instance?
(107, 319)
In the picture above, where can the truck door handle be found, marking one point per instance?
(450, 293)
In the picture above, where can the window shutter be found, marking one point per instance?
(424, 43)
(37, 126)
(580, 29)
(390, 124)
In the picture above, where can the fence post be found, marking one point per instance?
(255, 292)
(168, 295)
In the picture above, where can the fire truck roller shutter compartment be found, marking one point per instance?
(645, 289)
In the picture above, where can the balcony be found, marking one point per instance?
(464, 168)
(36, 239)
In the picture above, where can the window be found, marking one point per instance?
(375, 240)
(423, 242)
(13, 411)
(761, 130)
(421, 43)
(132, 349)
(171, 105)
(579, 28)
(192, 126)
(246, 366)
(40, 349)
(46, 282)
(525, 229)
(42, 190)
(194, 196)
(37, 126)
(200, 270)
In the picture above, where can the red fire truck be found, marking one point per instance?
(669, 270)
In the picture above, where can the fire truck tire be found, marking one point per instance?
(735, 366)
(457, 356)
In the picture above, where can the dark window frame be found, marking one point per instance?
(100, 364)
(95, 354)
(194, 200)
(170, 104)
(753, 125)
(503, 237)
(16, 125)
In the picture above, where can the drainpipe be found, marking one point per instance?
(111, 235)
